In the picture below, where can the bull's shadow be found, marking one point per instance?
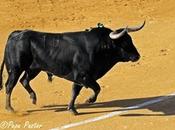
(165, 107)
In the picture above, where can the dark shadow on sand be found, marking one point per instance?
(166, 107)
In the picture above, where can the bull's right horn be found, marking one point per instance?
(137, 28)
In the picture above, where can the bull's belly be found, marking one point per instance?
(68, 76)
(59, 71)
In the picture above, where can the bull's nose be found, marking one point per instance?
(135, 58)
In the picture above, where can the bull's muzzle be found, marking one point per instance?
(134, 58)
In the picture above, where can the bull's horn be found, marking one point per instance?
(133, 29)
(115, 35)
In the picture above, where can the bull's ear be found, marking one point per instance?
(137, 28)
(116, 35)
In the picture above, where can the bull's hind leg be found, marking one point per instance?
(76, 88)
(27, 77)
(10, 84)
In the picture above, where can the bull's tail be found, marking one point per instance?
(1, 71)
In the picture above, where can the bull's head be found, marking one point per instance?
(123, 43)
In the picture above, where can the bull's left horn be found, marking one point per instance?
(115, 35)
(133, 29)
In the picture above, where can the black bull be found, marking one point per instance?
(81, 57)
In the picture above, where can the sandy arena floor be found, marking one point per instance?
(127, 84)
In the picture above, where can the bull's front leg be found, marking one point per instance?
(89, 82)
(76, 88)
(96, 89)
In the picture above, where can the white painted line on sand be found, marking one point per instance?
(111, 114)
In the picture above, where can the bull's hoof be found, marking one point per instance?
(72, 111)
(10, 109)
(50, 79)
(90, 100)
(34, 101)
(33, 97)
